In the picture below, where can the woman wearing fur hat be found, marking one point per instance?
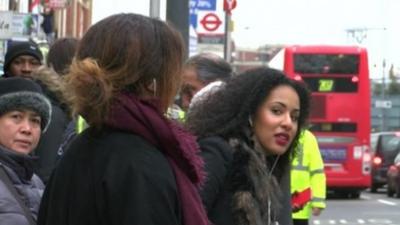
(24, 115)
(247, 131)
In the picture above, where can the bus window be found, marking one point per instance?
(340, 64)
(334, 127)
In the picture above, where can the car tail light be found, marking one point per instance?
(376, 161)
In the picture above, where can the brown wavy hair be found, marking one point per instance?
(124, 52)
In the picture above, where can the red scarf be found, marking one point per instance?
(144, 118)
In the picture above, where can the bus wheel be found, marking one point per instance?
(355, 194)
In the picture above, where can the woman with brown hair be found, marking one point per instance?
(132, 165)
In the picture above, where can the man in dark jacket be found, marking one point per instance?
(22, 58)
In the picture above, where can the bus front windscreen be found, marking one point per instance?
(337, 64)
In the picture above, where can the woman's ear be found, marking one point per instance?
(152, 87)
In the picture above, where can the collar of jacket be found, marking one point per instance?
(256, 192)
(22, 165)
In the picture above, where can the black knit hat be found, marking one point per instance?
(18, 93)
(17, 48)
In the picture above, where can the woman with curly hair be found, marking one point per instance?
(132, 165)
(248, 129)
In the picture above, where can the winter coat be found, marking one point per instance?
(50, 141)
(19, 169)
(221, 185)
(308, 172)
(112, 178)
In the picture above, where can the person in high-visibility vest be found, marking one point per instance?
(81, 125)
(308, 172)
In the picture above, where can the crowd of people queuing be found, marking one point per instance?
(227, 161)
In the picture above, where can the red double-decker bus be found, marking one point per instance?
(338, 77)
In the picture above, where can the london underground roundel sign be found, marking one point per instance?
(210, 22)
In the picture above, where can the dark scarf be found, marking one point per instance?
(144, 118)
(22, 165)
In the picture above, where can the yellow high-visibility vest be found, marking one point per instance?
(81, 125)
(308, 171)
(176, 113)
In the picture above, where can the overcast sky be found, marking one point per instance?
(260, 22)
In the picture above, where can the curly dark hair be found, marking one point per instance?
(227, 112)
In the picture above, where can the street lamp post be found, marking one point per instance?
(359, 35)
(383, 87)
(228, 38)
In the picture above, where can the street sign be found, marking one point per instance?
(206, 4)
(13, 24)
(57, 4)
(211, 39)
(229, 5)
(6, 24)
(383, 104)
(193, 20)
(211, 22)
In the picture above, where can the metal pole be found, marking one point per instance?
(227, 45)
(178, 15)
(154, 8)
(383, 86)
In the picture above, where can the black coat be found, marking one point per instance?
(115, 178)
(217, 193)
(50, 141)
(216, 196)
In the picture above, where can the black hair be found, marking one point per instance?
(227, 112)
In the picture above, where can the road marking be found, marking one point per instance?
(352, 222)
(365, 197)
(360, 221)
(386, 202)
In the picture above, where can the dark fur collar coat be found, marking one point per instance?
(239, 188)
